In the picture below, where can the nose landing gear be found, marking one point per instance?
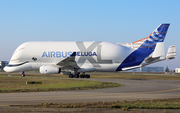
(23, 74)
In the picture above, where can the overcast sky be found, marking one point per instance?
(117, 21)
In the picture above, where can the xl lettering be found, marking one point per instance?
(82, 59)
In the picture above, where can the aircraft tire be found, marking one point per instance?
(81, 76)
(70, 76)
(87, 76)
(23, 74)
(76, 75)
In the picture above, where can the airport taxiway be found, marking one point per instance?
(132, 90)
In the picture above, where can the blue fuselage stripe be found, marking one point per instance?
(135, 58)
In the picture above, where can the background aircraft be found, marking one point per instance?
(73, 58)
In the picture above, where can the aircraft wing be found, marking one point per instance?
(68, 62)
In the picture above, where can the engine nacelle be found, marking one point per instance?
(49, 70)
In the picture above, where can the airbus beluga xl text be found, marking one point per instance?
(73, 58)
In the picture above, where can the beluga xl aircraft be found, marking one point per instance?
(77, 58)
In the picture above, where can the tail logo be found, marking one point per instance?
(156, 36)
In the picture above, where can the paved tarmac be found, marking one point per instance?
(132, 90)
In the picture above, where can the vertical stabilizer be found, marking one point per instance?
(147, 48)
(158, 35)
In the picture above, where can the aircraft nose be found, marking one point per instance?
(6, 69)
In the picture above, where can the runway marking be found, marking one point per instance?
(85, 95)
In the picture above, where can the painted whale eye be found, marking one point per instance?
(34, 58)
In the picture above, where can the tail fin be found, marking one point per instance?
(156, 36)
(171, 54)
(148, 46)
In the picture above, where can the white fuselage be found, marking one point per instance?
(103, 56)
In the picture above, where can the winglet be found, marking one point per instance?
(73, 54)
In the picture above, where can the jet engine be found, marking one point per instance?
(49, 70)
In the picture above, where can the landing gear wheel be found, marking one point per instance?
(81, 76)
(70, 75)
(23, 74)
(76, 75)
(87, 76)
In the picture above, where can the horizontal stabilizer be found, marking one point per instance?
(151, 59)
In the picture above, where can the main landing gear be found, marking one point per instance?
(83, 75)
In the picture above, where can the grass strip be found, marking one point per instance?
(103, 85)
(124, 105)
(18, 84)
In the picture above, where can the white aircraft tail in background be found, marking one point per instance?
(171, 54)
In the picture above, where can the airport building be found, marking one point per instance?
(177, 70)
(3, 64)
(152, 69)
(148, 69)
